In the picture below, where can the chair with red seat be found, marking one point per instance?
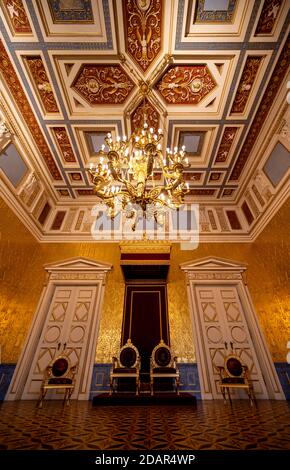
(235, 375)
(59, 375)
(163, 365)
(127, 365)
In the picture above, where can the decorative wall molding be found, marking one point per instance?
(154, 246)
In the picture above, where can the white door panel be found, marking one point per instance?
(66, 328)
(225, 330)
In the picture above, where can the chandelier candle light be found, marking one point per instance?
(124, 176)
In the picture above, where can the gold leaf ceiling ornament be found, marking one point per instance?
(145, 111)
(103, 84)
(185, 84)
(142, 20)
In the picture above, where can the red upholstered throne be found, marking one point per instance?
(127, 365)
(163, 365)
(58, 375)
(235, 375)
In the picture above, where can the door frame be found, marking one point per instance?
(78, 271)
(217, 271)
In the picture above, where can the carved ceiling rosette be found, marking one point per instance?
(142, 20)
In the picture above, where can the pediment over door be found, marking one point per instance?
(78, 264)
(211, 263)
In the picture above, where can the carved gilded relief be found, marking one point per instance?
(112, 315)
(42, 83)
(268, 17)
(185, 84)
(142, 20)
(246, 83)
(270, 93)
(145, 109)
(16, 90)
(103, 84)
(226, 144)
(64, 144)
(17, 16)
(179, 322)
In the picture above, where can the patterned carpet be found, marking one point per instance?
(209, 425)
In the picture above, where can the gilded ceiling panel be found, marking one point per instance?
(263, 109)
(63, 142)
(268, 17)
(103, 84)
(41, 83)
(226, 144)
(143, 23)
(145, 112)
(17, 17)
(214, 11)
(183, 84)
(14, 85)
(246, 82)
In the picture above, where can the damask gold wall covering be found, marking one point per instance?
(22, 278)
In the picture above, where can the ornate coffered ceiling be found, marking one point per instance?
(212, 73)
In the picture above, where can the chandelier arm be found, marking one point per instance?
(102, 195)
(154, 192)
(177, 197)
(123, 193)
(100, 182)
(112, 155)
(131, 190)
(174, 185)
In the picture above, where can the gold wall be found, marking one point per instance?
(22, 278)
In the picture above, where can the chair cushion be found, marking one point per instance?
(233, 380)
(59, 381)
(59, 367)
(124, 370)
(128, 357)
(234, 366)
(162, 356)
(164, 370)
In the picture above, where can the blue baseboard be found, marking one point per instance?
(100, 380)
(188, 379)
(283, 371)
(6, 373)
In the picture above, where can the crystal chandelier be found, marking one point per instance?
(124, 176)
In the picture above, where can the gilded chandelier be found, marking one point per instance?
(124, 176)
